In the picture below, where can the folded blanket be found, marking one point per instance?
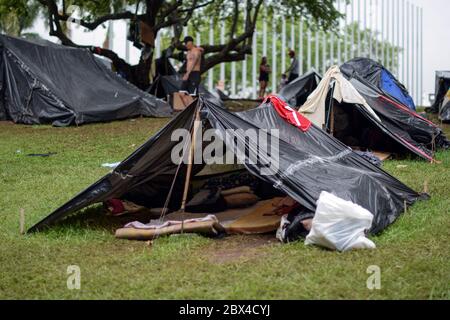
(157, 224)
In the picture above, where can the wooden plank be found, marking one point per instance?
(382, 155)
(260, 220)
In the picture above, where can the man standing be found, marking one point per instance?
(293, 69)
(192, 77)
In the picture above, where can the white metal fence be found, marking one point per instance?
(389, 31)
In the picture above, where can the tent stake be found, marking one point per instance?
(22, 221)
(425, 186)
(189, 167)
(405, 206)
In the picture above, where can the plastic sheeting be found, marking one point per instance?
(379, 76)
(309, 162)
(296, 92)
(441, 104)
(314, 106)
(410, 131)
(166, 85)
(45, 83)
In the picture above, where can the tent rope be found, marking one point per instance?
(169, 195)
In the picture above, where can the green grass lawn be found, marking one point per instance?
(413, 254)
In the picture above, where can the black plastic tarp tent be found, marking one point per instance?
(296, 92)
(310, 162)
(45, 83)
(376, 74)
(408, 128)
(166, 85)
(396, 128)
(441, 105)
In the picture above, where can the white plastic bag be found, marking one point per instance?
(339, 224)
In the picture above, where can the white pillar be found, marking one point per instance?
(233, 79)
(255, 63)
(393, 37)
(274, 55)
(309, 49)
(388, 36)
(418, 93)
(283, 44)
(211, 42)
(292, 45)
(383, 61)
(365, 27)
(127, 45)
(408, 28)
(346, 33)
(158, 45)
(244, 64)
(403, 43)
(413, 53)
(265, 35)
(352, 44)
(339, 36)
(377, 54)
(324, 52)
(222, 65)
(317, 51)
(359, 28)
(398, 39)
(421, 57)
(372, 29)
(300, 48)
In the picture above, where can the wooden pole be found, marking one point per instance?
(191, 160)
(22, 221)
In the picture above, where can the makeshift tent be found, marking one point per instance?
(309, 161)
(296, 92)
(441, 103)
(45, 83)
(360, 115)
(165, 86)
(376, 74)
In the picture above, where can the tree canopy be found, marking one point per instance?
(238, 17)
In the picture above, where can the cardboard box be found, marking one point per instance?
(181, 100)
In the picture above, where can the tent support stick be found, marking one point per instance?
(189, 167)
(22, 221)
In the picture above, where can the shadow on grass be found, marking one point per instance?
(95, 218)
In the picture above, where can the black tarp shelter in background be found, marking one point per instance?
(166, 85)
(309, 162)
(441, 89)
(377, 75)
(296, 92)
(409, 129)
(364, 117)
(45, 83)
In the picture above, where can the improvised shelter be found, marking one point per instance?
(165, 86)
(441, 103)
(360, 115)
(308, 162)
(376, 74)
(46, 83)
(296, 92)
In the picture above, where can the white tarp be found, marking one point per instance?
(314, 107)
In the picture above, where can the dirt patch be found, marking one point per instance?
(238, 247)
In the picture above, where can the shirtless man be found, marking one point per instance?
(191, 79)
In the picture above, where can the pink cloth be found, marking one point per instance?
(156, 224)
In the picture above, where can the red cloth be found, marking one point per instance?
(115, 206)
(286, 112)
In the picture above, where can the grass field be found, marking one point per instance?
(413, 254)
